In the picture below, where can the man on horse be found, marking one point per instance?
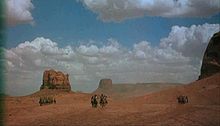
(94, 101)
(103, 100)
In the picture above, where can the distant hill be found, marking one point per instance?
(128, 89)
(205, 91)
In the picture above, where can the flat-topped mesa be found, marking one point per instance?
(211, 58)
(55, 80)
(105, 84)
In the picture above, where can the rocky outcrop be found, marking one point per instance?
(105, 84)
(123, 90)
(211, 58)
(55, 80)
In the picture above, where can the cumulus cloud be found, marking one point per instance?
(190, 42)
(117, 10)
(19, 11)
(176, 59)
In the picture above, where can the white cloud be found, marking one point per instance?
(117, 10)
(140, 54)
(88, 50)
(186, 40)
(176, 59)
(111, 48)
(19, 11)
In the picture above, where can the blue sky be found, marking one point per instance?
(70, 22)
(129, 41)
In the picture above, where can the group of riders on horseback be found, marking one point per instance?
(103, 100)
(182, 99)
(47, 100)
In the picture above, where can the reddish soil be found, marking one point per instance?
(159, 108)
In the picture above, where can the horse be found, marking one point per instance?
(103, 100)
(94, 101)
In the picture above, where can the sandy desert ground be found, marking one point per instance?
(156, 109)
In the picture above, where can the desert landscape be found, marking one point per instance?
(128, 104)
(110, 63)
(157, 108)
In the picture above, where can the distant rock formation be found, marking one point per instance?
(130, 89)
(55, 80)
(211, 58)
(105, 84)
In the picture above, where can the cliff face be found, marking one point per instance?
(105, 84)
(55, 80)
(211, 58)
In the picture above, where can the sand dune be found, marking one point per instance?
(157, 108)
(206, 91)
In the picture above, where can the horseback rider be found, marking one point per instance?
(41, 101)
(94, 101)
(182, 99)
(54, 101)
(103, 100)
